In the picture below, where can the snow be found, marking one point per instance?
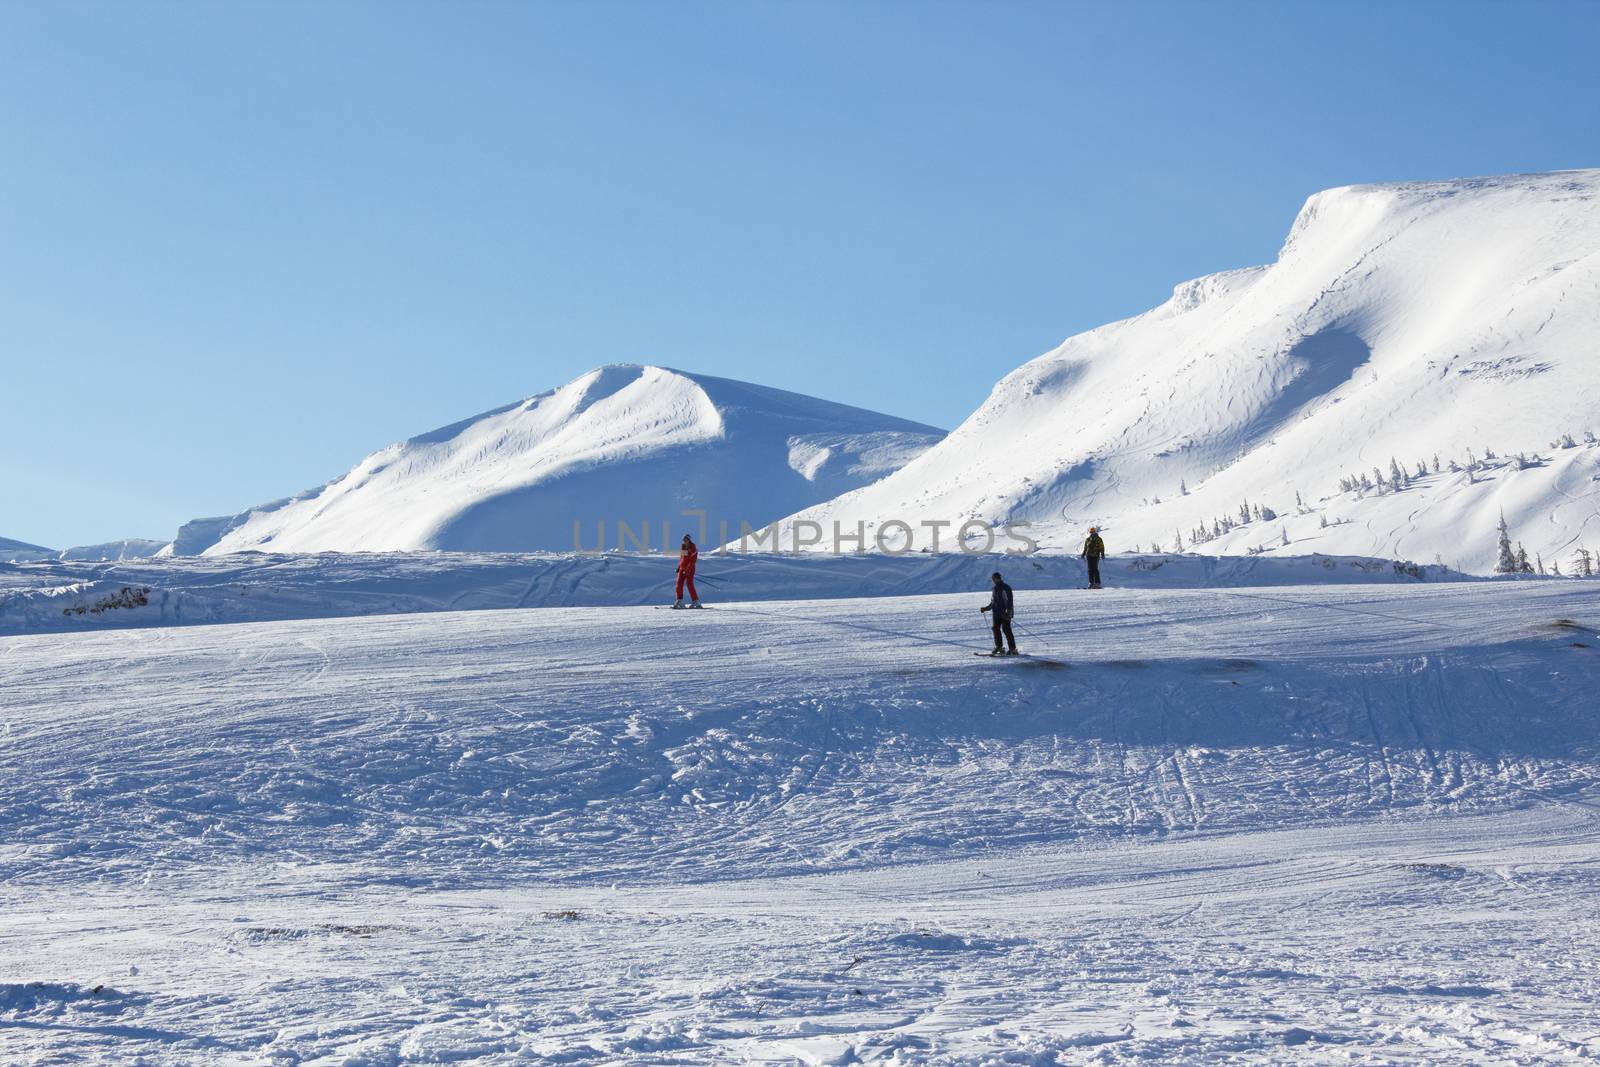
(1200, 825)
(383, 773)
(1400, 321)
(127, 548)
(255, 587)
(623, 443)
(11, 551)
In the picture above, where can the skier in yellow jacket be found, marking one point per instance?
(1093, 550)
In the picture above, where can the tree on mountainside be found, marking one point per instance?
(1584, 563)
(1508, 560)
(1523, 566)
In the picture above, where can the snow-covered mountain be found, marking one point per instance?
(623, 443)
(1456, 319)
(20, 551)
(127, 548)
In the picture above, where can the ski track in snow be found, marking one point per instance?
(1328, 823)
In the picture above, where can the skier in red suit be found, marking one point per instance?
(687, 557)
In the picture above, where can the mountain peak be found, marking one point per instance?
(1402, 321)
(624, 442)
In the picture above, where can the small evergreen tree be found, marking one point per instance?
(1508, 560)
(1538, 562)
(1285, 534)
(1523, 566)
(1183, 487)
(1436, 463)
(1584, 564)
(1323, 525)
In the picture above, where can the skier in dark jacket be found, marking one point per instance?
(1000, 606)
(1093, 550)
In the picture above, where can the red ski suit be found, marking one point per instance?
(686, 561)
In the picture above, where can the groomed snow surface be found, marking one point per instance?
(1309, 823)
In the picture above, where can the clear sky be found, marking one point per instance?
(242, 245)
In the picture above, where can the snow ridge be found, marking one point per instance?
(624, 443)
(1399, 321)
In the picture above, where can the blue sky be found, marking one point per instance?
(242, 245)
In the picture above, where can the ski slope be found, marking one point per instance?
(621, 444)
(71, 596)
(1447, 325)
(1342, 823)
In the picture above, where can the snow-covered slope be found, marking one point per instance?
(11, 551)
(1402, 321)
(623, 443)
(64, 595)
(127, 548)
(1312, 825)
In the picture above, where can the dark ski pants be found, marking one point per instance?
(1003, 625)
(689, 580)
(1094, 569)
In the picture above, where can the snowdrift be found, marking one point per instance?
(1420, 358)
(622, 444)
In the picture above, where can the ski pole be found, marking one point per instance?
(1035, 637)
